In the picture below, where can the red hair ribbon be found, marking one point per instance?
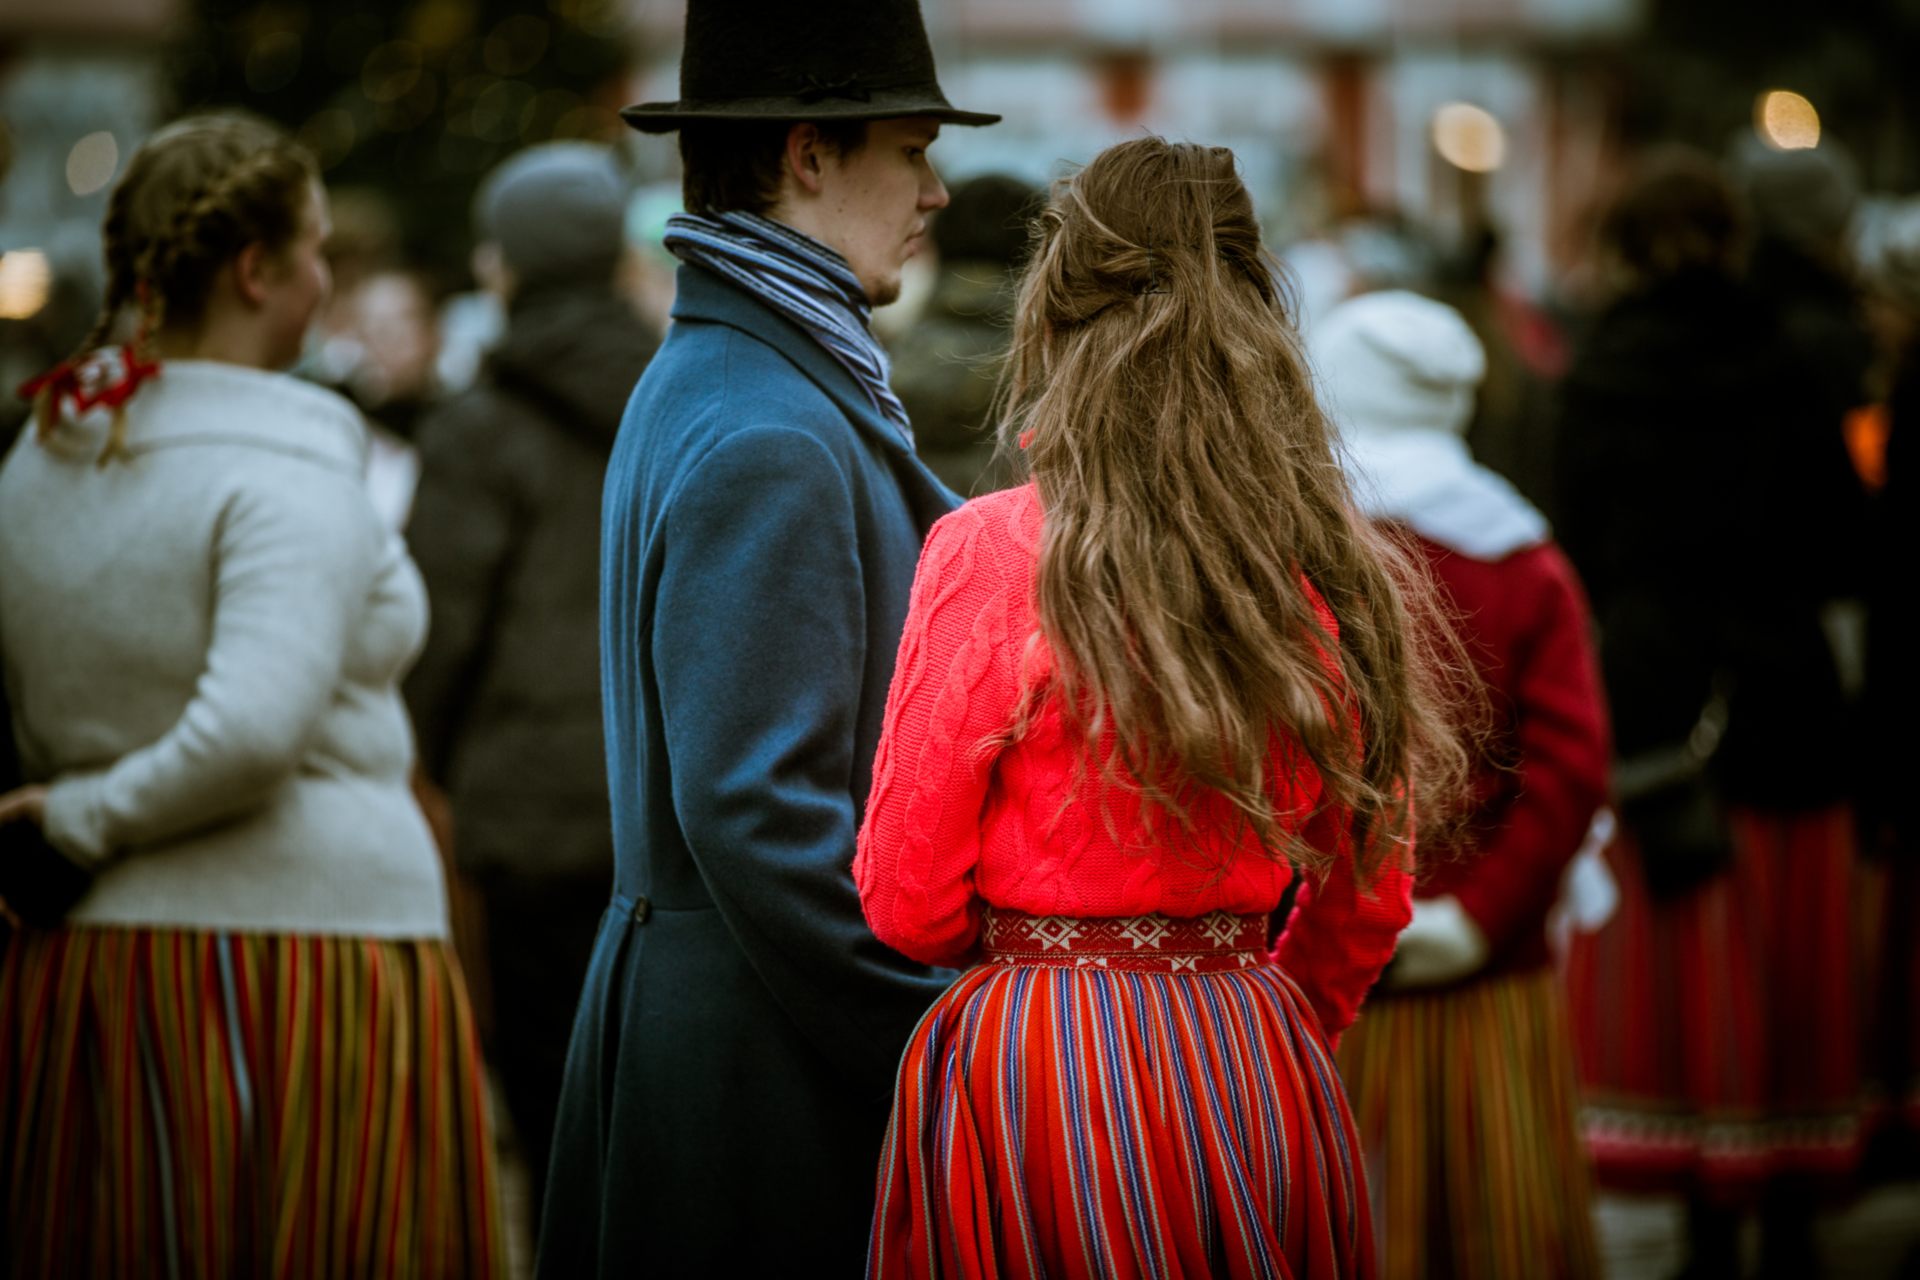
(64, 382)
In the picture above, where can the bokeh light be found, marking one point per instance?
(26, 280)
(92, 163)
(1469, 137)
(1786, 121)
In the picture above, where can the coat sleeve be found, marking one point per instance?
(759, 645)
(461, 535)
(1561, 777)
(951, 692)
(293, 568)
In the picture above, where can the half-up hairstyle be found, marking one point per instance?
(1191, 493)
(193, 196)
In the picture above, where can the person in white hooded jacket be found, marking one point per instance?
(248, 1049)
(1462, 1073)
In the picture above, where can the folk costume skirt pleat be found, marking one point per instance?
(1467, 1106)
(1121, 1098)
(1718, 1032)
(192, 1104)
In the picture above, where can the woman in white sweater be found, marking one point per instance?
(248, 1050)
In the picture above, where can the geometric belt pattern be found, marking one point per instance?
(1216, 942)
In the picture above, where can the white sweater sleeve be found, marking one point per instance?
(293, 572)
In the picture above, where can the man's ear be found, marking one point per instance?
(806, 156)
(254, 269)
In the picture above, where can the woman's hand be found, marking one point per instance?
(24, 802)
(1441, 944)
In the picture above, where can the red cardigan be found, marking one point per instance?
(955, 821)
(1526, 624)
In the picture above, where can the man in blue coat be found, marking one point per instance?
(732, 1060)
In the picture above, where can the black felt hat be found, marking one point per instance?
(782, 60)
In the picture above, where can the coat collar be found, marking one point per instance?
(207, 401)
(701, 295)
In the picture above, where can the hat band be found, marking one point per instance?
(810, 86)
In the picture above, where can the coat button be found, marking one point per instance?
(642, 910)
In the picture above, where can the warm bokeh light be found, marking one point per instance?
(26, 279)
(1469, 137)
(1786, 121)
(92, 163)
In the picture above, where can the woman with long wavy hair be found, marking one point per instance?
(1136, 698)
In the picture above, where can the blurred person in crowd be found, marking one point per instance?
(1132, 697)
(727, 1082)
(1707, 501)
(1462, 1072)
(945, 366)
(248, 1050)
(1802, 204)
(506, 530)
(1511, 432)
(1892, 701)
(381, 356)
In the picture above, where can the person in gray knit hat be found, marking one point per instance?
(555, 213)
(505, 528)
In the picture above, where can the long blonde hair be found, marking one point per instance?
(1191, 493)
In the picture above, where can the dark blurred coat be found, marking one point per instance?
(506, 530)
(945, 368)
(1707, 499)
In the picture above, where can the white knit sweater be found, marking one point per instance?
(202, 643)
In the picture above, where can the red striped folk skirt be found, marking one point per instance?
(1468, 1106)
(1121, 1098)
(190, 1104)
(1718, 1033)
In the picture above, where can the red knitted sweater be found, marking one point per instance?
(955, 821)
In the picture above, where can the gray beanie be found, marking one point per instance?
(1804, 196)
(557, 211)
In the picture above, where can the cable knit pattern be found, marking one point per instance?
(955, 822)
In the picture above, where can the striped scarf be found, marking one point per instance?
(801, 279)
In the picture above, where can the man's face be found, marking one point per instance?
(875, 202)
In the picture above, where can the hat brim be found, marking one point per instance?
(665, 117)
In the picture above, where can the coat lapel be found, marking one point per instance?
(703, 296)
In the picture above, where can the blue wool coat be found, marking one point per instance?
(732, 1061)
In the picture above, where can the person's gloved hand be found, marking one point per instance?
(1440, 944)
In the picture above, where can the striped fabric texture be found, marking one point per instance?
(802, 280)
(1099, 1122)
(1718, 1033)
(1466, 1103)
(189, 1104)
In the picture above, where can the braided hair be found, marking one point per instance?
(193, 196)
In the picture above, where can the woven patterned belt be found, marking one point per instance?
(1218, 942)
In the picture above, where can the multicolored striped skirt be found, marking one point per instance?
(190, 1104)
(1467, 1107)
(1719, 1032)
(1121, 1098)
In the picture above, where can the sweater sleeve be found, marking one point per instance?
(1341, 934)
(953, 688)
(1561, 777)
(293, 567)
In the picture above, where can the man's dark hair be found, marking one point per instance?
(736, 165)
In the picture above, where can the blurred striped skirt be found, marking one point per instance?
(1119, 1098)
(1467, 1104)
(191, 1104)
(1718, 1033)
